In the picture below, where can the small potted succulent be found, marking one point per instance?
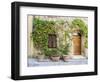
(54, 55)
(65, 52)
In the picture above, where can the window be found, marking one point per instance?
(52, 41)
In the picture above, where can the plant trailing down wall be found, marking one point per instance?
(78, 23)
(41, 30)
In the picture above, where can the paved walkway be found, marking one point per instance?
(48, 62)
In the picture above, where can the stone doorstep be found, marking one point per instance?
(78, 57)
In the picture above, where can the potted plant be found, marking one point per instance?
(53, 53)
(65, 52)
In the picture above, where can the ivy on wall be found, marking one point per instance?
(41, 30)
(78, 23)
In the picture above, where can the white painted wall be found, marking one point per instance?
(5, 40)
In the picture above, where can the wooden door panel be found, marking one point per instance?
(77, 45)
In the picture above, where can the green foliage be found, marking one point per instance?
(52, 52)
(60, 22)
(86, 42)
(64, 50)
(40, 33)
(67, 36)
(42, 28)
(78, 23)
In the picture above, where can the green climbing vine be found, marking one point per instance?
(40, 33)
(78, 23)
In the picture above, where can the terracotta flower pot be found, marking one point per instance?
(65, 57)
(55, 58)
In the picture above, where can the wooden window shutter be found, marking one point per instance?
(52, 41)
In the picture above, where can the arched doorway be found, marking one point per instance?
(76, 39)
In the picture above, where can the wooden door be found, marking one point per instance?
(76, 45)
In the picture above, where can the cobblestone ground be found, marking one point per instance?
(48, 62)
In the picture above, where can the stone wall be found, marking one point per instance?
(60, 31)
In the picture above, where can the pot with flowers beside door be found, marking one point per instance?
(54, 55)
(65, 52)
